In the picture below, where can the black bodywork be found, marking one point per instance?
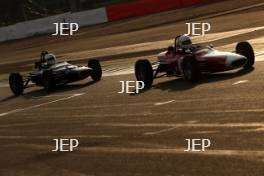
(62, 73)
(49, 76)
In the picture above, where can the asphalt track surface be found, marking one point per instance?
(143, 134)
(139, 134)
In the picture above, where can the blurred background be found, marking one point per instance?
(13, 11)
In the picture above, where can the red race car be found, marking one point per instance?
(191, 63)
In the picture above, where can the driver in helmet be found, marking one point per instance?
(46, 59)
(50, 59)
(183, 44)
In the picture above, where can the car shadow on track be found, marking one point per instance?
(180, 84)
(40, 92)
(66, 88)
(8, 98)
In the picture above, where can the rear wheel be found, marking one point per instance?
(97, 69)
(191, 70)
(144, 72)
(16, 83)
(245, 49)
(48, 81)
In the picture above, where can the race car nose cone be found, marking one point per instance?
(236, 60)
(239, 62)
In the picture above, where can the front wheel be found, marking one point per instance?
(144, 72)
(245, 49)
(96, 69)
(16, 84)
(191, 70)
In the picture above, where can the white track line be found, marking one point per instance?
(178, 125)
(160, 131)
(149, 104)
(125, 71)
(163, 103)
(240, 82)
(50, 96)
(39, 105)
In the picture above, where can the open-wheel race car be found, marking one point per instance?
(49, 74)
(193, 62)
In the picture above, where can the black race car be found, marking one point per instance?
(57, 74)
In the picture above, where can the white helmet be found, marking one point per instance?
(183, 41)
(50, 59)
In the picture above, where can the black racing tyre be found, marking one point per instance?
(144, 72)
(245, 49)
(97, 69)
(191, 71)
(16, 83)
(48, 80)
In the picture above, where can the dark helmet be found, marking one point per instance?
(50, 59)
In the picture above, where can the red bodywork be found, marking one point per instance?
(209, 59)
